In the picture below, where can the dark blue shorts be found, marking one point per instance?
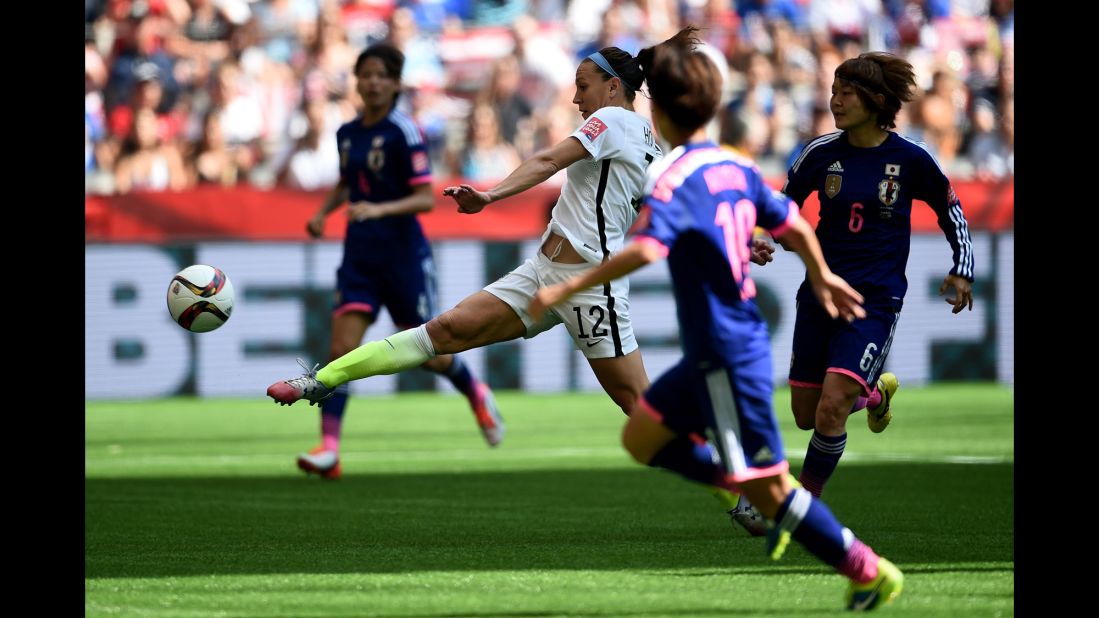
(403, 284)
(857, 349)
(730, 406)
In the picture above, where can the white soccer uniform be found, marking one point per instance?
(598, 203)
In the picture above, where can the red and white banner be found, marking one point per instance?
(214, 213)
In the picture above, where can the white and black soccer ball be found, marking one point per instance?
(200, 298)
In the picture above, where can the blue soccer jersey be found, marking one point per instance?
(702, 204)
(866, 197)
(381, 163)
(387, 262)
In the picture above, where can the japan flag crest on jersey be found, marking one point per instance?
(888, 191)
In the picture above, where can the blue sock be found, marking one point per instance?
(810, 523)
(821, 458)
(691, 460)
(335, 405)
(459, 375)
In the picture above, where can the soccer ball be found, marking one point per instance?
(200, 298)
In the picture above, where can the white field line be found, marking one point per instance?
(118, 458)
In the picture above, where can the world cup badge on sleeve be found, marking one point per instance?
(593, 128)
(832, 184)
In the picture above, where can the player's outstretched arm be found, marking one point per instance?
(422, 199)
(531, 172)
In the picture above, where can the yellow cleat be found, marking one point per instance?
(877, 592)
(878, 418)
(777, 540)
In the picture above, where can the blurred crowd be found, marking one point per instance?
(180, 93)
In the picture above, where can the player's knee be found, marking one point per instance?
(832, 412)
(442, 331)
(637, 450)
(438, 364)
(626, 398)
(805, 419)
(340, 347)
(805, 413)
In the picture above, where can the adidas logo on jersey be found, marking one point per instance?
(835, 167)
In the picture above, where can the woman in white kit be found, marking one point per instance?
(605, 161)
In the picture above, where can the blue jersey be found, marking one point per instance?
(866, 198)
(381, 163)
(701, 205)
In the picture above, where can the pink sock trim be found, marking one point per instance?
(810, 484)
(330, 432)
(860, 403)
(860, 563)
(874, 400)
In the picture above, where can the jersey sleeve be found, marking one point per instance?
(604, 133)
(799, 181)
(775, 211)
(419, 163)
(936, 190)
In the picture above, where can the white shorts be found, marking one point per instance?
(598, 318)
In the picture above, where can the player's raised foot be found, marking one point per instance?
(488, 415)
(878, 418)
(306, 387)
(747, 516)
(323, 462)
(878, 591)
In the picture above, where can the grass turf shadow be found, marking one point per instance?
(529, 520)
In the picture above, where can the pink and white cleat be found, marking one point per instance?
(488, 415)
(322, 462)
(306, 387)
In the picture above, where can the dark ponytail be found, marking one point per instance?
(626, 67)
(683, 81)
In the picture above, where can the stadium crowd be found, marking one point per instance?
(180, 93)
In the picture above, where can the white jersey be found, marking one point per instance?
(601, 197)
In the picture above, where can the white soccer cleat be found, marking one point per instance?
(749, 517)
(322, 462)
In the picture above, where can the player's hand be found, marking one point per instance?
(469, 200)
(315, 226)
(761, 251)
(963, 292)
(839, 299)
(363, 211)
(545, 298)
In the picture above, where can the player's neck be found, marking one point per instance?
(867, 136)
(676, 139)
(372, 116)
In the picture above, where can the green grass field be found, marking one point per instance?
(194, 508)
